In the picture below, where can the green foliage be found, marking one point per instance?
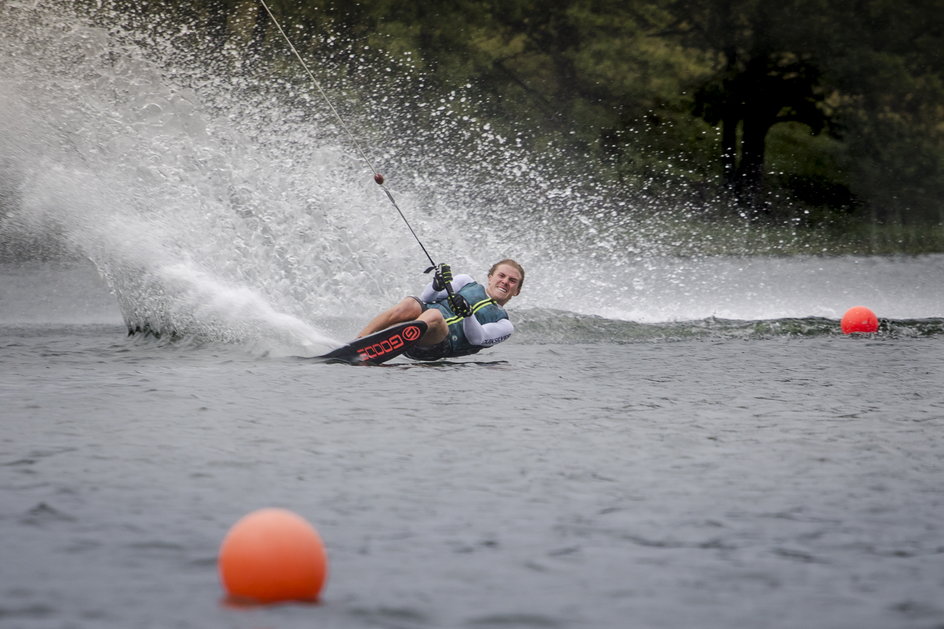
(809, 110)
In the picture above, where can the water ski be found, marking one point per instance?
(380, 346)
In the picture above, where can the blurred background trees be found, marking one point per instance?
(812, 111)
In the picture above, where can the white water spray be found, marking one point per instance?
(227, 205)
(135, 155)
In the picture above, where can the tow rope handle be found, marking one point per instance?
(449, 290)
(448, 284)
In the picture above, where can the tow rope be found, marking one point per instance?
(379, 178)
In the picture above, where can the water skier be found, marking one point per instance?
(464, 322)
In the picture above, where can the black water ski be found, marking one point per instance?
(380, 346)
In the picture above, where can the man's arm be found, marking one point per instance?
(429, 295)
(487, 334)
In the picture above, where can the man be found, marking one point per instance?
(465, 322)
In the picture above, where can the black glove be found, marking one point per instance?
(442, 278)
(459, 305)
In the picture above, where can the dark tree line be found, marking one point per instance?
(833, 104)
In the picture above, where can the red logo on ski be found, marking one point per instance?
(385, 346)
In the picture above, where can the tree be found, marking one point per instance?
(766, 73)
(868, 72)
(886, 65)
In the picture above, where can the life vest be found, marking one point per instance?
(484, 309)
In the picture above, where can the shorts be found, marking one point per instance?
(428, 352)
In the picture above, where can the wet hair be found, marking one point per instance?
(509, 262)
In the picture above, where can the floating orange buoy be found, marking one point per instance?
(859, 319)
(272, 555)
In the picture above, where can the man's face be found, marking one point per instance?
(504, 283)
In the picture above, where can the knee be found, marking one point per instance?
(436, 328)
(408, 309)
(433, 317)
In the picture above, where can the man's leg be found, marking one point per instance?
(408, 309)
(436, 328)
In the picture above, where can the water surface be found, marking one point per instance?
(710, 479)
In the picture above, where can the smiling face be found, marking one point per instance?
(504, 282)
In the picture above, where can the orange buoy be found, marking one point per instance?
(271, 556)
(859, 319)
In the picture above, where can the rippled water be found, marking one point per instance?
(711, 480)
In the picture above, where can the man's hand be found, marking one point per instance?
(442, 277)
(460, 306)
